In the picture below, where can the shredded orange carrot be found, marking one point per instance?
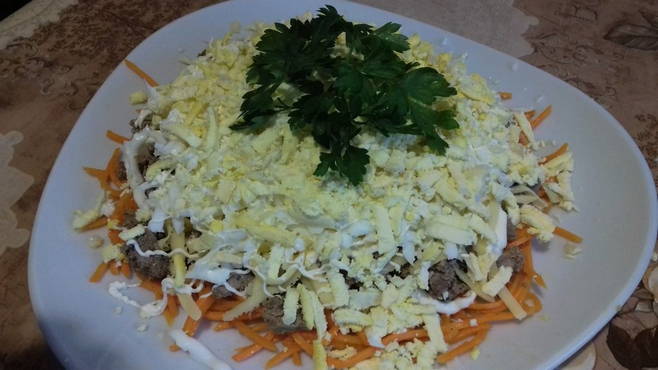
(96, 224)
(103, 180)
(529, 114)
(119, 139)
(214, 315)
(261, 326)
(251, 315)
(174, 348)
(280, 357)
(486, 306)
(113, 235)
(302, 343)
(171, 311)
(152, 287)
(541, 117)
(113, 167)
(296, 358)
(539, 280)
(101, 175)
(467, 332)
(204, 304)
(347, 339)
(253, 336)
(223, 325)
(362, 336)
(536, 304)
(139, 72)
(250, 350)
(246, 352)
(561, 150)
(362, 355)
(407, 335)
(462, 348)
(224, 304)
(505, 95)
(519, 241)
(526, 250)
(567, 235)
(114, 269)
(247, 316)
(98, 274)
(125, 270)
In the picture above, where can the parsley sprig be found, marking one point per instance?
(341, 93)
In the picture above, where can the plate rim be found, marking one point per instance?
(554, 360)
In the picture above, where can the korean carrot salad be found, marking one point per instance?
(329, 189)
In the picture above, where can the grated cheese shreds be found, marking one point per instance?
(512, 304)
(290, 305)
(189, 306)
(256, 297)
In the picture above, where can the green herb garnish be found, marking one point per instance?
(342, 93)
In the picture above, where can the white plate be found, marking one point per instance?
(612, 183)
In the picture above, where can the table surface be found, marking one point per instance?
(47, 79)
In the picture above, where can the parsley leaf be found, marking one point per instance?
(342, 93)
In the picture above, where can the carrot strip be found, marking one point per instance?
(247, 316)
(486, 306)
(261, 326)
(505, 95)
(539, 280)
(468, 332)
(462, 348)
(408, 335)
(113, 167)
(114, 269)
(98, 274)
(223, 325)
(567, 235)
(541, 117)
(152, 287)
(250, 350)
(171, 311)
(253, 336)
(139, 72)
(224, 305)
(174, 348)
(246, 352)
(522, 237)
(528, 267)
(303, 344)
(296, 358)
(204, 304)
(500, 316)
(113, 235)
(95, 172)
(561, 150)
(529, 114)
(279, 358)
(362, 355)
(362, 336)
(96, 224)
(214, 315)
(347, 339)
(119, 139)
(125, 270)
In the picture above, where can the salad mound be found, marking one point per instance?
(282, 197)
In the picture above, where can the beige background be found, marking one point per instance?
(47, 78)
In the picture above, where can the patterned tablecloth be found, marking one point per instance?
(606, 48)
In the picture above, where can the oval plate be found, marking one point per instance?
(612, 183)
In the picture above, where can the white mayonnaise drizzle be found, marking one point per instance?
(448, 308)
(197, 350)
